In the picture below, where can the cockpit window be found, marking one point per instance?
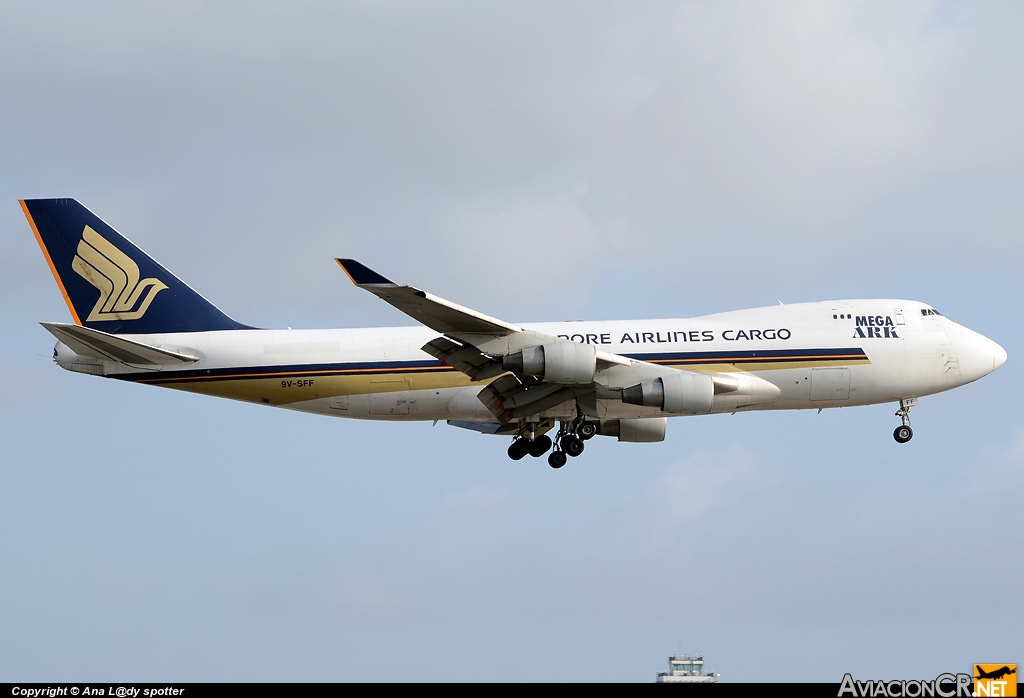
(930, 311)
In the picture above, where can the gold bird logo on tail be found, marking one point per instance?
(117, 278)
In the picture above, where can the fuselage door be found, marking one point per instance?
(899, 316)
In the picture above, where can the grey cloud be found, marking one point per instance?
(575, 138)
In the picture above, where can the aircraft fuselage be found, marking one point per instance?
(817, 355)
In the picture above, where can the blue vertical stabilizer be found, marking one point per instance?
(109, 283)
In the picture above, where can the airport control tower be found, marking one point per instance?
(686, 669)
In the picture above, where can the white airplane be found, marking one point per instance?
(135, 321)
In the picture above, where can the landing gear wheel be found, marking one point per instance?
(572, 445)
(540, 445)
(518, 449)
(903, 434)
(557, 459)
(587, 431)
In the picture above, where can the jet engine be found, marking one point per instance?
(684, 392)
(567, 363)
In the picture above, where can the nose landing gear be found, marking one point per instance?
(904, 433)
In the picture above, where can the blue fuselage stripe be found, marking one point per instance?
(432, 366)
(854, 354)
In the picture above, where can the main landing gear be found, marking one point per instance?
(567, 443)
(904, 433)
(570, 438)
(535, 447)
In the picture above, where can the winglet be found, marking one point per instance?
(361, 274)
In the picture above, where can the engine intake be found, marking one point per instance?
(683, 393)
(567, 363)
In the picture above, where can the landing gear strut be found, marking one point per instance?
(540, 445)
(568, 442)
(904, 433)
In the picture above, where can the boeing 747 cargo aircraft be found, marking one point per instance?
(135, 321)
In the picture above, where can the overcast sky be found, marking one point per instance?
(534, 161)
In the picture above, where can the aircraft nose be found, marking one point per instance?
(978, 355)
(998, 356)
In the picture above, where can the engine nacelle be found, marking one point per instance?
(638, 431)
(684, 392)
(567, 363)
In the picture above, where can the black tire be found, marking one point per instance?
(572, 446)
(557, 459)
(540, 445)
(903, 434)
(587, 431)
(518, 449)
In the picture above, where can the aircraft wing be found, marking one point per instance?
(434, 312)
(101, 345)
(473, 342)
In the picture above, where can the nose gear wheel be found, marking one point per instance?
(903, 434)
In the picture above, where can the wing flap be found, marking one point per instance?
(612, 359)
(493, 395)
(464, 357)
(101, 345)
(510, 399)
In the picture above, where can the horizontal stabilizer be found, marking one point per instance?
(101, 345)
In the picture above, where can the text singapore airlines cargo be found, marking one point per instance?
(135, 321)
